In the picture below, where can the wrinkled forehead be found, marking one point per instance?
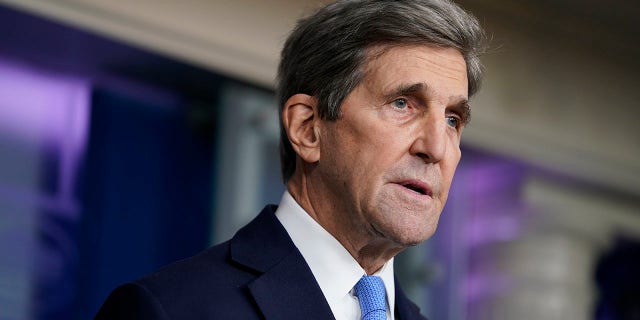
(395, 65)
(375, 51)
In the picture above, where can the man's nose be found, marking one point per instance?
(431, 140)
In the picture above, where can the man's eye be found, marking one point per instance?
(453, 121)
(400, 103)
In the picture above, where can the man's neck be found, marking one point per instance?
(370, 250)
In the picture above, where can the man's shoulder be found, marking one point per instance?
(199, 286)
(204, 265)
(213, 282)
(217, 263)
(219, 267)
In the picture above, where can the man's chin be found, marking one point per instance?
(411, 239)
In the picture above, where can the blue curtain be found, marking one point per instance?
(145, 194)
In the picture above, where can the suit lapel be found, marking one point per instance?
(285, 288)
(289, 291)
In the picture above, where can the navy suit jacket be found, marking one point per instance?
(258, 274)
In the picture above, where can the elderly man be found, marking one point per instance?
(374, 99)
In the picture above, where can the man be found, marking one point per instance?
(374, 98)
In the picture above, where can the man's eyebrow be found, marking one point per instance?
(465, 109)
(406, 89)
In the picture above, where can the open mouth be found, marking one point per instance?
(416, 187)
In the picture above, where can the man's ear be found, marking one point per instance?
(300, 121)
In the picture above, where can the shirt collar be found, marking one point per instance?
(335, 270)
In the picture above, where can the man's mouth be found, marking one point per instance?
(416, 186)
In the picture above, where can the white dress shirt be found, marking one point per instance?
(335, 270)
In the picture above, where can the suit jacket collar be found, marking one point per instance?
(285, 288)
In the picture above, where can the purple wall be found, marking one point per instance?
(43, 132)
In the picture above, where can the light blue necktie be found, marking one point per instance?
(372, 295)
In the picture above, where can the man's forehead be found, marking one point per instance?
(416, 68)
(377, 51)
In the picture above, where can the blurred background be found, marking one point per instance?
(136, 133)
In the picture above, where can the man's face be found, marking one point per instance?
(387, 163)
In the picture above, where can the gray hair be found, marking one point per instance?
(325, 54)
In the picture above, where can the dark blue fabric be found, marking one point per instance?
(258, 274)
(372, 297)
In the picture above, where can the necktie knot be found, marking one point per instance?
(372, 296)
